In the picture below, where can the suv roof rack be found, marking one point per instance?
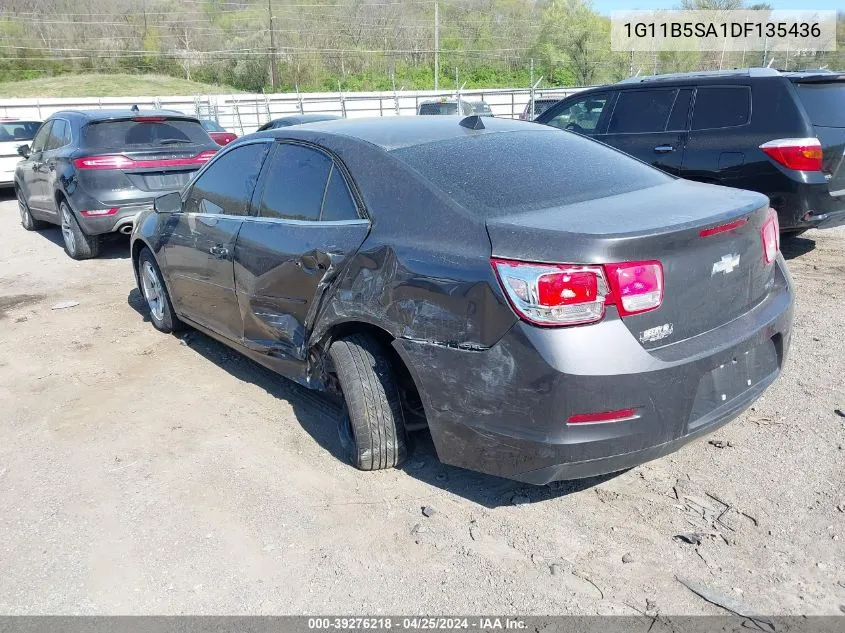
(737, 72)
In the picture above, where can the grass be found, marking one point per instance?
(95, 85)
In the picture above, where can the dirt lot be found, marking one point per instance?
(141, 473)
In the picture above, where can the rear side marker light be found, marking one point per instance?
(570, 294)
(771, 236)
(803, 154)
(604, 416)
(724, 228)
(118, 161)
(94, 213)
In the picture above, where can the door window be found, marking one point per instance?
(582, 115)
(639, 111)
(226, 186)
(304, 184)
(680, 111)
(59, 134)
(721, 106)
(40, 139)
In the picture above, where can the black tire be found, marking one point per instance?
(373, 427)
(78, 245)
(150, 282)
(27, 221)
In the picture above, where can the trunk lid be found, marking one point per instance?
(823, 98)
(148, 153)
(708, 281)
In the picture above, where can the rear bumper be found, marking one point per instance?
(808, 206)
(122, 221)
(504, 410)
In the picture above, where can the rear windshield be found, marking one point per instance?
(119, 134)
(825, 103)
(439, 108)
(18, 130)
(500, 173)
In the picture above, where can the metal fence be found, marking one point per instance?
(244, 113)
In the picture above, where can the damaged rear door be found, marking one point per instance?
(307, 225)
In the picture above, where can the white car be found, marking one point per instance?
(13, 134)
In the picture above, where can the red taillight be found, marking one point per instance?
(570, 294)
(119, 161)
(804, 154)
(771, 236)
(637, 286)
(149, 119)
(603, 416)
(94, 213)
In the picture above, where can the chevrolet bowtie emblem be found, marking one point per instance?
(726, 264)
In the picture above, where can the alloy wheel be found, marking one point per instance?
(153, 291)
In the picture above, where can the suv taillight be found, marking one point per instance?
(570, 294)
(803, 154)
(119, 161)
(771, 236)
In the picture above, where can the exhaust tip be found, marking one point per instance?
(126, 229)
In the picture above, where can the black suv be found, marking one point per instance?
(779, 133)
(93, 172)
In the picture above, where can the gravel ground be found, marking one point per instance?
(142, 473)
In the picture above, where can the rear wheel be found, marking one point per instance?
(27, 221)
(77, 244)
(155, 294)
(373, 427)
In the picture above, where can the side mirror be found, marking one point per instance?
(168, 203)
(23, 151)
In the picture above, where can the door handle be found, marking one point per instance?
(664, 149)
(220, 252)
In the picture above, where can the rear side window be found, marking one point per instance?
(304, 184)
(641, 111)
(59, 134)
(495, 174)
(825, 103)
(226, 186)
(136, 133)
(721, 106)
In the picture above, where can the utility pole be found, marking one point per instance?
(436, 44)
(274, 79)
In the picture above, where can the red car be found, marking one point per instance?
(217, 133)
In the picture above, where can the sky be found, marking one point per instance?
(606, 6)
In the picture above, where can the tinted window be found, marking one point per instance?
(501, 173)
(40, 139)
(825, 103)
(721, 107)
(296, 183)
(439, 108)
(641, 111)
(540, 106)
(19, 130)
(338, 204)
(680, 111)
(58, 134)
(581, 115)
(211, 126)
(120, 134)
(227, 185)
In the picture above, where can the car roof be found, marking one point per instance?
(106, 115)
(305, 118)
(391, 133)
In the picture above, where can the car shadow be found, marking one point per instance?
(320, 416)
(113, 246)
(794, 246)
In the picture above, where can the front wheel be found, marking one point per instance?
(373, 429)
(77, 244)
(155, 294)
(27, 221)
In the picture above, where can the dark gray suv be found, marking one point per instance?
(93, 172)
